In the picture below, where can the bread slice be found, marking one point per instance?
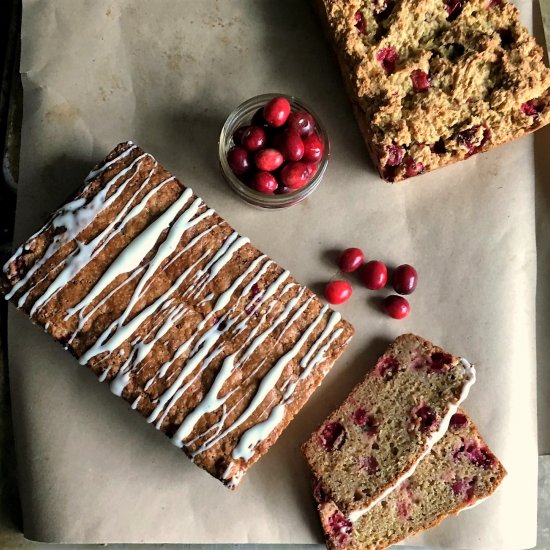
(388, 424)
(433, 82)
(459, 473)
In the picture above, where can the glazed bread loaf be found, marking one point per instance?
(459, 473)
(210, 340)
(433, 82)
(388, 423)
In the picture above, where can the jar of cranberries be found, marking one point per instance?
(273, 150)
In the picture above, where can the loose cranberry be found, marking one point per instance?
(404, 279)
(533, 107)
(458, 420)
(386, 367)
(388, 58)
(259, 120)
(374, 275)
(290, 144)
(454, 8)
(332, 436)
(238, 160)
(420, 80)
(396, 307)
(369, 463)
(395, 154)
(268, 159)
(351, 259)
(253, 138)
(276, 111)
(360, 22)
(264, 182)
(337, 292)
(237, 136)
(313, 148)
(340, 528)
(424, 418)
(413, 168)
(302, 122)
(295, 175)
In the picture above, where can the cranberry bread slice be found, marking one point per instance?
(459, 473)
(433, 82)
(388, 424)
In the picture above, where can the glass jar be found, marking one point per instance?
(242, 116)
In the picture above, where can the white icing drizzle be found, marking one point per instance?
(106, 165)
(470, 377)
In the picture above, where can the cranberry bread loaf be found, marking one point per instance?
(388, 423)
(209, 339)
(436, 81)
(459, 473)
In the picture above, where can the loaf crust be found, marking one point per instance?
(210, 340)
(483, 81)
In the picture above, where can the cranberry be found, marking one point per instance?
(238, 160)
(369, 463)
(351, 259)
(319, 494)
(264, 182)
(533, 107)
(458, 420)
(404, 279)
(340, 528)
(290, 144)
(313, 148)
(253, 138)
(259, 120)
(332, 436)
(360, 22)
(302, 122)
(404, 509)
(413, 168)
(439, 147)
(359, 416)
(338, 292)
(494, 3)
(395, 154)
(420, 80)
(396, 307)
(237, 136)
(386, 367)
(388, 58)
(374, 275)
(439, 360)
(296, 174)
(268, 159)
(276, 111)
(426, 418)
(472, 140)
(464, 488)
(454, 8)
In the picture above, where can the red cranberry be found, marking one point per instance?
(404, 509)
(264, 182)
(395, 154)
(369, 463)
(268, 159)
(458, 420)
(351, 259)
(332, 436)
(420, 80)
(396, 307)
(533, 107)
(386, 367)
(259, 120)
(276, 111)
(388, 58)
(360, 22)
(296, 174)
(253, 138)
(454, 8)
(238, 160)
(464, 488)
(471, 139)
(313, 148)
(290, 144)
(340, 528)
(337, 292)
(440, 360)
(319, 494)
(237, 136)
(404, 279)
(359, 416)
(413, 168)
(302, 122)
(439, 147)
(374, 275)
(425, 418)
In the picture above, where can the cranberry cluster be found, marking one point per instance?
(374, 275)
(279, 151)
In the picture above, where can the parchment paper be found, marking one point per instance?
(166, 74)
